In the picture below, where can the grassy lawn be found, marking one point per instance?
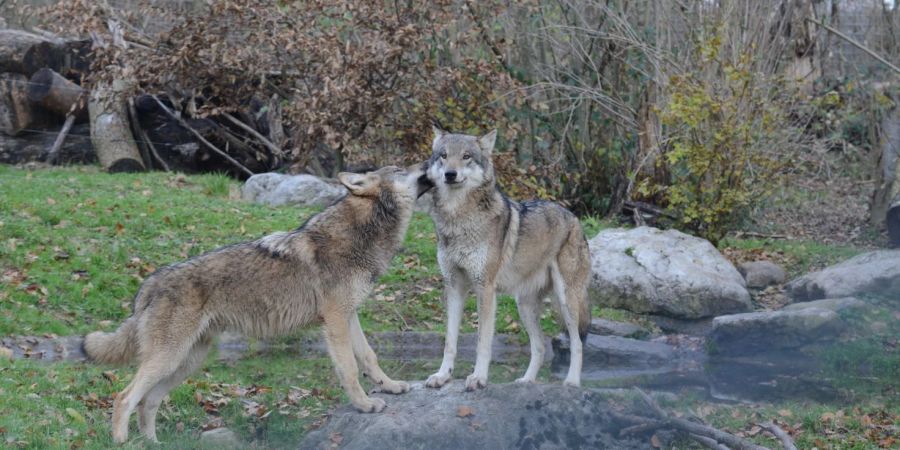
(75, 245)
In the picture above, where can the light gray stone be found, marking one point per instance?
(838, 305)
(276, 189)
(758, 332)
(606, 327)
(647, 270)
(874, 273)
(497, 417)
(761, 274)
(221, 437)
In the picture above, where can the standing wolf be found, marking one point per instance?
(320, 272)
(491, 244)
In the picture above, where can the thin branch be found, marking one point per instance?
(782, 435)
(271, 146)
(202, 139)
(60, 138)
(855, 44)
(708, 442)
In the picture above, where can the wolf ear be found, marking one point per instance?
(438, 134)
(487, 141)
(362, 185)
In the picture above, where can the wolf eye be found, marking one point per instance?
(467, 156)
(443, 156)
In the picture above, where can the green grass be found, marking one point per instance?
(75, 244)
(799, 256)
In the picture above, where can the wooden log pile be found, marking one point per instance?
(47, 116)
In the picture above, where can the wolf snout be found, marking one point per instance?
(450, 176)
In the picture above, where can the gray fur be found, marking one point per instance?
(318, 273)
(490, 244)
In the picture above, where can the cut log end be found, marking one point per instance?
(125, 166)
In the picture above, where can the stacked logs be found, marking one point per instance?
(46, 115)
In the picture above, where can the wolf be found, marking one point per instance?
(318, 273)
(490, 244)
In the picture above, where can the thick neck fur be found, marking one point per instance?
(453, 204)
(355, 234)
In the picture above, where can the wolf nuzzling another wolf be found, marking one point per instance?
(490, 244)
(319, 273)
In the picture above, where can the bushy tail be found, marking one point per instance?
(119, 347)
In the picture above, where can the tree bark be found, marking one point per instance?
(110, 130)
(25, 53)
(16, 112)
(57, 94)
(887, 191)
(35, 147)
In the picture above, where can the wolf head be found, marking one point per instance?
(460, 161)
(403, 186)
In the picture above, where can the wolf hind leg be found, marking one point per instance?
(340, 348)
(149, 406)
(569, 311)
(162, 362)
(366, 358)
(529, 312)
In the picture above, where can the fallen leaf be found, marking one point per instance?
(75, 415)
(120, 229)
(654, 441)
(336, 438)
(6, 353)
(464, 411)
(111, 376)
(785, 413)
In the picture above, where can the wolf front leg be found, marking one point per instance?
(455, 291)
(337, 336)
(369, 362)
(487, 313)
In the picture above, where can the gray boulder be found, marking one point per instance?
(614, 350)
(276, 189)
(761, 274)
(838, 305)
(500, 416)
(750, 333)
(876, 273)
(647, 270)
(606, 327)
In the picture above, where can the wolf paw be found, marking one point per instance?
(394, 387)
(437, 380)
(572, 383)
(525, 380)
(370, 405)
(474, 382)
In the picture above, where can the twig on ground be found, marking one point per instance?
(708, 442)
(782, 435)
(266, 142)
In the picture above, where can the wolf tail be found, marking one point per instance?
(118, 347)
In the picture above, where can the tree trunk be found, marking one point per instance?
(893, 222)
(16, 113)
(26, 53)
(888, 189)
(110, 130)
(57, 94)
(35, 147)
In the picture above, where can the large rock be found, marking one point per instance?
(605, 327)
(751, 333)
(876, 273)
(838, 305)
(647, 270)
(498, 417)
(302, 190)
(761, 274)
(614, 350)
